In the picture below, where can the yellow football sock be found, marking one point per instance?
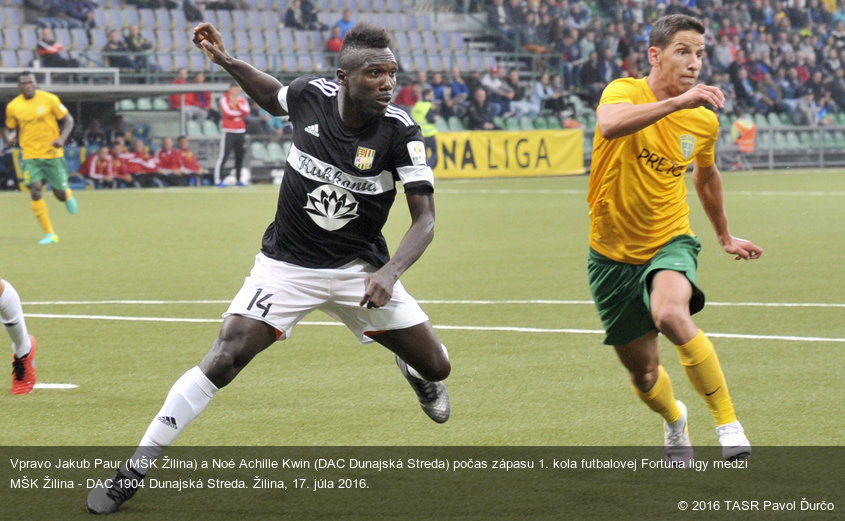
(660, 398)
(705, 374)
(39, 208)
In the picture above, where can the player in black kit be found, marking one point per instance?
(324, 249)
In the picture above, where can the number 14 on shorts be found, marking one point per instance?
(259, 301)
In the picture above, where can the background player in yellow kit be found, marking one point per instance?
(38, 116)
(643, 254)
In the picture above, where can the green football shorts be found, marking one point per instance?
(621, 291)
(53, 171)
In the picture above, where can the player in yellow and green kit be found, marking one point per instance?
(43, 125)
(643, 254)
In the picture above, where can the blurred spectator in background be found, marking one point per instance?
(334, 43)
(202, 100)
(189, 164)
(480, 116)
(81, 12)
(98, 168)
(498, 20)
(458, 93)
(94, 136)
(137, 43)
(180, 79)
(544, 96)
(52, 53)
(499, 93)
(144, 165)
(116, 53)
(118, 131)
(520, 104)
(234, 109)
(170, 163)
(120, 167)
(409, 95)
(257, 121)
(294, 17)
(345, 22)
(424, 113)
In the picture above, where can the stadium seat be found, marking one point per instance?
(164, 61)
(164, 40)
(79, 39)
(197, 61)
(256, 21)
(161, 103)
(442, 125)
(792, 140)
(411, 22)
(456, 125)
(243, 42)
(178, 20)
(761, 121)
(25, 57)
(148, 19)
(12, 17)
(131, 17)
(540, 123)
(426, 24)
(144, 103)
(192, 128)
(141, 131)
(258, 152)
(98, 38)
(512, 124)
(275, 152)
(9, 58)
(259, 61)
(210, 128)
(29, 37)
(163, 18)
(526, 123)
(773, 119)
(72, 158)
(11, 38)
(180, 40)
(304, 62)
(126, 105)
(553, 123)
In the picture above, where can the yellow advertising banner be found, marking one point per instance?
(501, 153)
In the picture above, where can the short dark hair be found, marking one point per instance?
(25, 73)
(665, 28)
(360, 36)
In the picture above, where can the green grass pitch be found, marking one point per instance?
(504, 281)
(132, 294)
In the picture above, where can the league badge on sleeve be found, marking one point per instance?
(416, 149)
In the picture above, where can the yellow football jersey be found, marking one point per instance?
(637, 194)
(37, 122)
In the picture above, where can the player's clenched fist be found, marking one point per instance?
(207, 38)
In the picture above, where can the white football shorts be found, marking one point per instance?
(281, 294)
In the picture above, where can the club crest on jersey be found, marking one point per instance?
(364, 158)
(331, 207)
(687, 145)
(416, 149)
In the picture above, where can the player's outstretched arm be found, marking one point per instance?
(621, 119)
(379, 286)
(258, 85)
(708, 184)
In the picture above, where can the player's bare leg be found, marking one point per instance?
(651, 383)
(240, 339)
(424, 362)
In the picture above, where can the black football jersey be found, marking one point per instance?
(339, 183)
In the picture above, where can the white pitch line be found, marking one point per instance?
(55, 386)
(514, 329)
(434, 302)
